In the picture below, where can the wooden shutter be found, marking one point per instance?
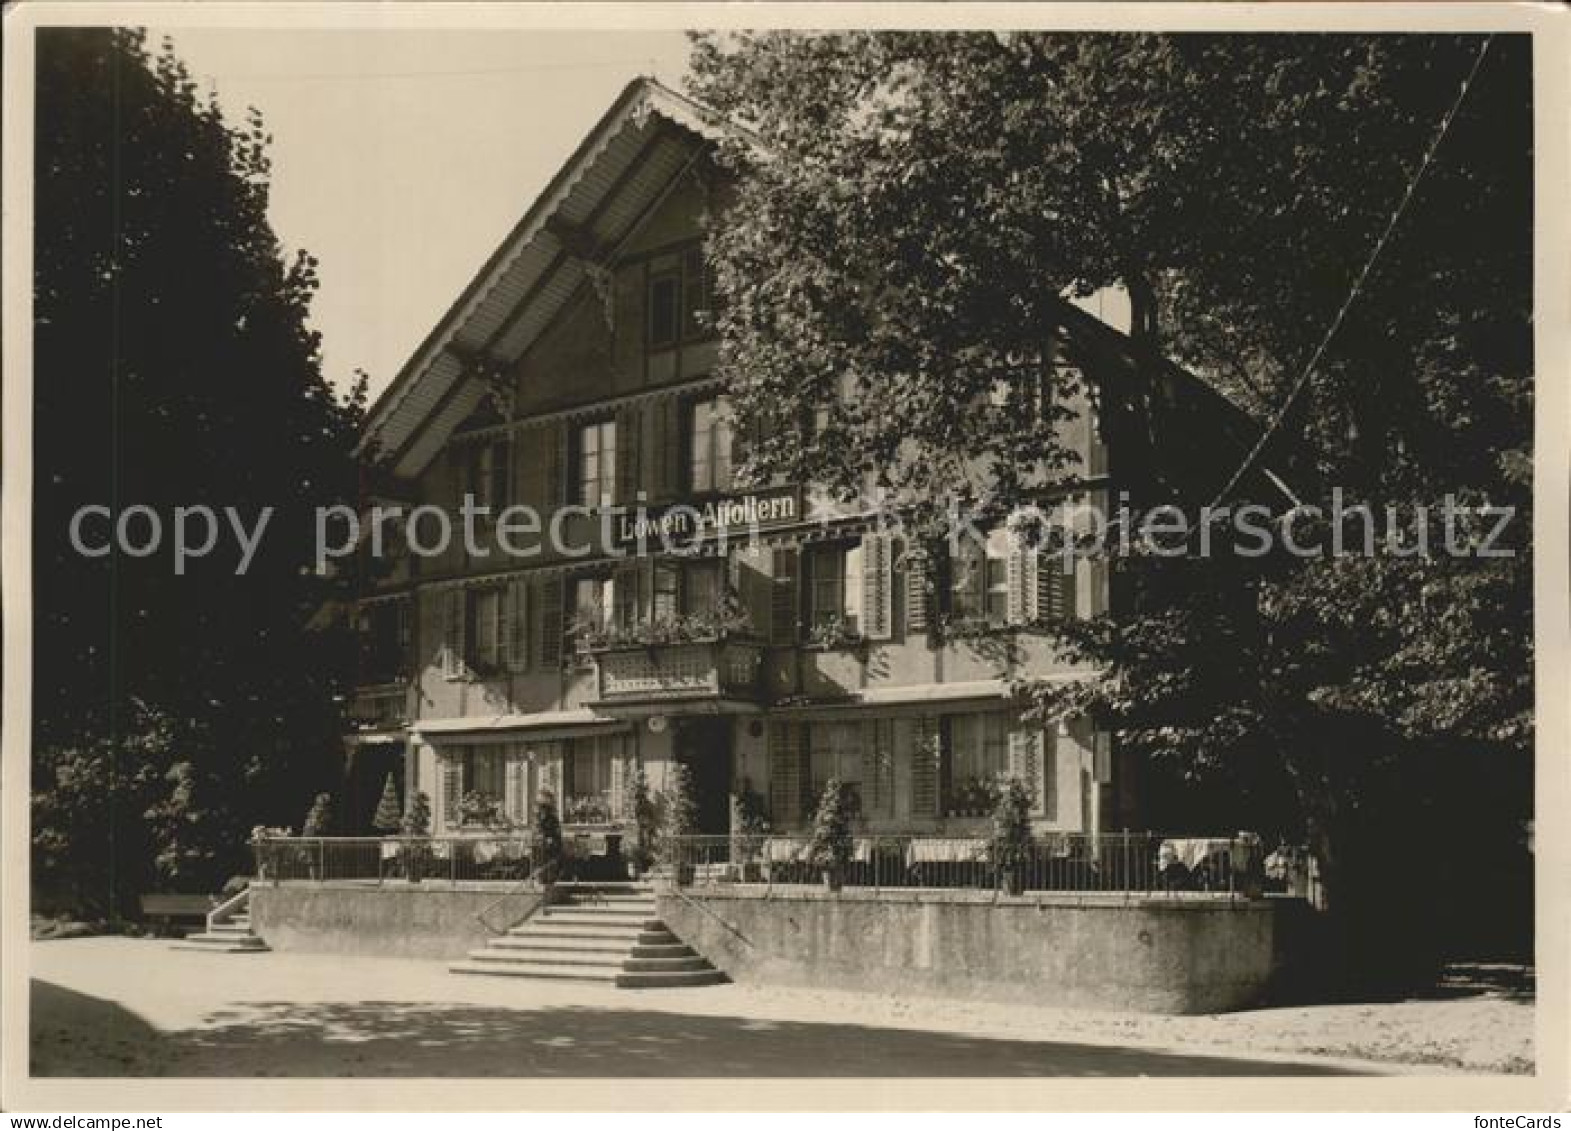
(783, 598)
(877, 588)
(452, 785)
(1054, 586)
(551, 757)
(1025, 762)
(453, 608)
(618, 774)
(666, 447)
(926, 752)
(515, 625)
(1048, 804)
(556, 471)
(548, 619)
(1019, 573)
(785, 775)
(918, 569)
(516, 786)
(628, 422)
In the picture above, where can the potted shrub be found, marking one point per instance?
(546, 844)
(748, 826)
(317, 823)
(1010, 845)
(678, 820)
(416, 828)
(641, 823)
(830, 848)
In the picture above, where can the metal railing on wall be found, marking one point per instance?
(1149, 864)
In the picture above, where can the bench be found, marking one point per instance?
(165, 907)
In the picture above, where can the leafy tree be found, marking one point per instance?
(925, 203)
(388, 818)
(173, 367)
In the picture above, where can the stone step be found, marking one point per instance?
(656, 938)
(643, 910)
(593, 918)
(664, 979)
(558, 957)
(685, 962)
(660, 950)
(222, 944)
(232, 928)
(606, 975)
(616, 947)
(577, 929)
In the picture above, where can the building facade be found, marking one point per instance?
(575, 376)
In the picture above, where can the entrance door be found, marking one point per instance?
(369, 767)
(703, 745)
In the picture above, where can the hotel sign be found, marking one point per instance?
(730, 517)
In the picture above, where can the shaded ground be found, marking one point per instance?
(116, 1006)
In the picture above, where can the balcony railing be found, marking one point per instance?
(703, 669)
(381, 705)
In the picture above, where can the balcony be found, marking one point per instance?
(382, 706)
(712, 671)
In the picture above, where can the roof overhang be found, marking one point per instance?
(643, 144)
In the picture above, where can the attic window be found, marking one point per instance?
(665, 305)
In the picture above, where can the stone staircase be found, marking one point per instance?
(608, 933)
(230, 934)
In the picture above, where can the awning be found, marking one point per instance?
(912, 698)
(543, 725)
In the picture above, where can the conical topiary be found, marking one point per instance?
(831, 845)
(417, 819)
(389, 814)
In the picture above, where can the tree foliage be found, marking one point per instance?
(915, 206)
(174, 366)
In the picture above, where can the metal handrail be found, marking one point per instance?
(677, 891)
(523, 886)
(224, 911)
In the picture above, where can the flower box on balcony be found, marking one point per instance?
(692, 669)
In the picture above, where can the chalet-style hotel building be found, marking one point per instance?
(576, 371)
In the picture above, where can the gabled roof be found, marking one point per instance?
(593, 204)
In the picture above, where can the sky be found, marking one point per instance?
(401, 159)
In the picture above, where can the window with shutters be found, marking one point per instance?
(487, 475)
(978, 755)
(666, 590)
(665, 309)
(979, 580)
(681, 300)
(832, 584)
(593, 459)
(709, 446)
(484, 630)
(482, 784)
(588, 767)
(834, 750)
(594, 607)
(703, 588)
